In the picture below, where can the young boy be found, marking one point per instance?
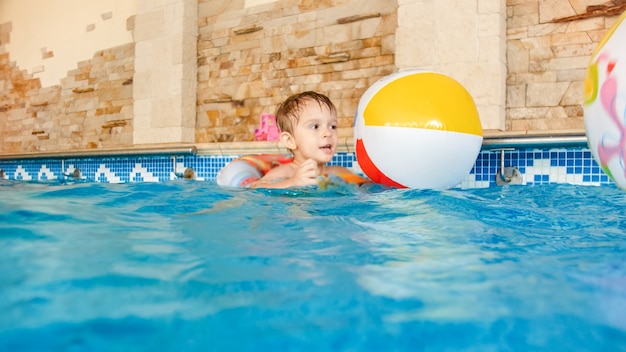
(308, 125)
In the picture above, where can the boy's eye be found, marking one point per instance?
(315, 126)
(333, 127)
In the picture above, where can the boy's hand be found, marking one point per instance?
(306, 174)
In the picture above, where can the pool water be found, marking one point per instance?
(186, 266)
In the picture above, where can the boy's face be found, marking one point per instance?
(315, 134)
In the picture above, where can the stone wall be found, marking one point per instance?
(91, 108)
(548, 49)
(250, 59)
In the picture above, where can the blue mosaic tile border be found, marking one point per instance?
(537, 166)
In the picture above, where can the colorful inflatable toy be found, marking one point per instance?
(605, 103)
(242, 171)
(417, 129)
(249, 168)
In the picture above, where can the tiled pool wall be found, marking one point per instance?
(537, 166)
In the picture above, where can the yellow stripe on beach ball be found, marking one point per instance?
(425, 100)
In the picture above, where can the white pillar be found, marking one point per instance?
(164, 84)
(464, 39)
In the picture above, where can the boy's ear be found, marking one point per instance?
(288, 141)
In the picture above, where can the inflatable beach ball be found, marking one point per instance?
(605, 103)
(417, 129)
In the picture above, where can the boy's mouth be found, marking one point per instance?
(327, 148)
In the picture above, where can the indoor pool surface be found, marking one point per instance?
(188, 266)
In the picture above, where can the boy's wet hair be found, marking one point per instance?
(288, 112)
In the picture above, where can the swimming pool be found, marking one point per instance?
(184, 265)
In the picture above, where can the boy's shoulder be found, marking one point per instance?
(281, 171)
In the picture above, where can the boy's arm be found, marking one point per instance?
(285, 176)
(268, 183)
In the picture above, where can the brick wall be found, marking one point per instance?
(249, 60)
(91, 108)
(548, 50)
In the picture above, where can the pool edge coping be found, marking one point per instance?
(491, 140)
